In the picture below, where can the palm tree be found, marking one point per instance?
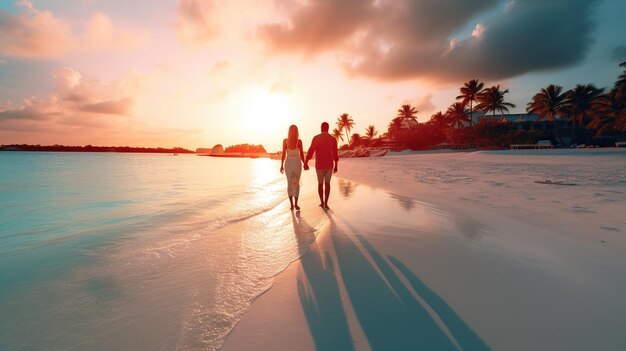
(492, 99)
(469, 94)
(337, 134)
(370, 133)
(620, 85)
(395, 127)
(439, 119)
(609, 113)
(580, 101)
(355, 140)
(407, 113)
(346, 123)
(458, 114)
(549, 103)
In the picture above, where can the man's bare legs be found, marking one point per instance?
(327, 194)
(294, 204)
(324, 193)
(320, 192)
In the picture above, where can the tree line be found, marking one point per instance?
(246, 149)
(587, 110)
(90, 148)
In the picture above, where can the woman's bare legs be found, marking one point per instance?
(291, 201)
(296, 206)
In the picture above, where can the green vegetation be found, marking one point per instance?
(586, 112)
(246, 149)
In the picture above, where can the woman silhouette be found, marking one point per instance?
(291, 164)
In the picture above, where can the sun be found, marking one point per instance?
(265, 110)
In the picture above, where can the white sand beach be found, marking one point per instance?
(454, 251)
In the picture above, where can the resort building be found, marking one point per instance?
(523, 121)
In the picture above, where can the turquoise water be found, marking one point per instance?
(121, 251)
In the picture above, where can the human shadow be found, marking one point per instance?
(392, 314)
(318, 290)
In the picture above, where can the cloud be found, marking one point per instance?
(196, 25)
(317, 26)
(425, 39)
(425, 104)
(67, 78)
(110, 107)
(35, 33)
(23, 113)
(75, 102)
(101, 34)
(619, 53)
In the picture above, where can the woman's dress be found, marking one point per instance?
(293, 170)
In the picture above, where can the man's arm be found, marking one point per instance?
(335, 155)
(311, 151)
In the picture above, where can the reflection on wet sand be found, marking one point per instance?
(346, 187)
(406, 202)
(391, 314)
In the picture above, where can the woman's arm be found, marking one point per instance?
(301, 150)
(282, 157)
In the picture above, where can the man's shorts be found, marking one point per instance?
(323, 175)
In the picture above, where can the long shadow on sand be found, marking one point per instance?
(319, 293)
(392, 314)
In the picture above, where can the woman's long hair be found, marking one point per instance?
(292, 137)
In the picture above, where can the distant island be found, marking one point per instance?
(240, 150)
(91, 148)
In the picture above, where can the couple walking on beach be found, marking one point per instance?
(324, 146)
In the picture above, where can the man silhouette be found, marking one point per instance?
(324, 146)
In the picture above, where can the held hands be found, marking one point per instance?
(306, 166)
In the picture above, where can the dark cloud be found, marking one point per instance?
(619, 53)
(111, 107)
(530, 35)
(404, 39)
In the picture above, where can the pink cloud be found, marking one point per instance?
(75, 102)
(101, 34)
(196, 24)
(35, 33)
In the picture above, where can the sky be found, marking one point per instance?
(195, 73)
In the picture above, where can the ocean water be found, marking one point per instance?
(105, 251)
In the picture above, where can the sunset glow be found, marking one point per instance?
(264, 111)
(195, 73)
